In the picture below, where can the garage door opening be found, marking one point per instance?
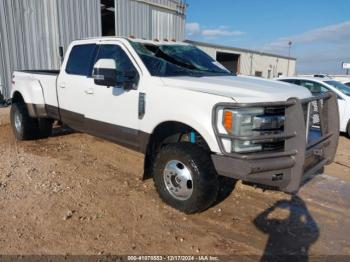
(108, 17)
(228, 60)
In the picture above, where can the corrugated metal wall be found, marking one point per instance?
(27, 33)
(2, 67)
(151, 19)
(78, 19)
(31, 32)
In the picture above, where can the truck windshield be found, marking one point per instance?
(341, 87)
(178, 60)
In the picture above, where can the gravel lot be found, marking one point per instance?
(75, 194)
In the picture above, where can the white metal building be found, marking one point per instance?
(33, 31)
(250, 62)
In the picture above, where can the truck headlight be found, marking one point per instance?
(250, 122)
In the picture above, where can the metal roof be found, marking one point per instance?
(236, 49)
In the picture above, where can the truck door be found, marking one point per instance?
(74, 82)
(113, 111)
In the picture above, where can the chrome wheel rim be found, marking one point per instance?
(178, 180)
(18, 122)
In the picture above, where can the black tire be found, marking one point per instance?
(348, 130)
(27, 127)
(204, 184)
(45, 127)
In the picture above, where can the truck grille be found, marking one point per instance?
(275, 144)
(321, 123)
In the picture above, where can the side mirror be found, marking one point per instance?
(105, 72)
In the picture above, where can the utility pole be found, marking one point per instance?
(289, 49)
(251, 64)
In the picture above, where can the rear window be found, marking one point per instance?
(81, 59)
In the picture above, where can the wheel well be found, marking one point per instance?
(17, 98)
(170, 133)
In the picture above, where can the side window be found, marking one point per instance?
(291, 81)
(80, 61)
(314, 87)
(297, 82)
(124, 64)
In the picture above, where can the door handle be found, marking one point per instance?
(89, 92)
(62, 86)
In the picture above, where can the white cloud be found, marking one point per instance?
(318, 50)
(333, 34)
(220, 32)
(195, 29)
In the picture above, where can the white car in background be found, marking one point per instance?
(319, 86)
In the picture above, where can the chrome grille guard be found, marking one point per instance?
(297, 144)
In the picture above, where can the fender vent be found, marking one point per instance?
(142, 105)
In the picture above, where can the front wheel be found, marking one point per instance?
(185, 178)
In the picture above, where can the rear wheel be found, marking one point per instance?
(45, 127)
(185, 178)
(348, 130)
(25, 127)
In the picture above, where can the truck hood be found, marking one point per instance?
(242, 89)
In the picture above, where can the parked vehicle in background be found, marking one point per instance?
(189, 115)
(323, 76)
(319, 86)
(345, 79)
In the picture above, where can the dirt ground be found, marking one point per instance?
(75, 194)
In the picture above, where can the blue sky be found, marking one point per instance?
(319, 29)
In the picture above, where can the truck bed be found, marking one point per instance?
(39, 87)
(41, 72)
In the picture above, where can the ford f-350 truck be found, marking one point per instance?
(192, 118)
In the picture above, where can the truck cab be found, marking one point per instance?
(192, 119)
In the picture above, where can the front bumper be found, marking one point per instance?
(285, 170)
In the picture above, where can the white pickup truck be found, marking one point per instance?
(193, 119)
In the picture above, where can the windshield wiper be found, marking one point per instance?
(217, 72)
